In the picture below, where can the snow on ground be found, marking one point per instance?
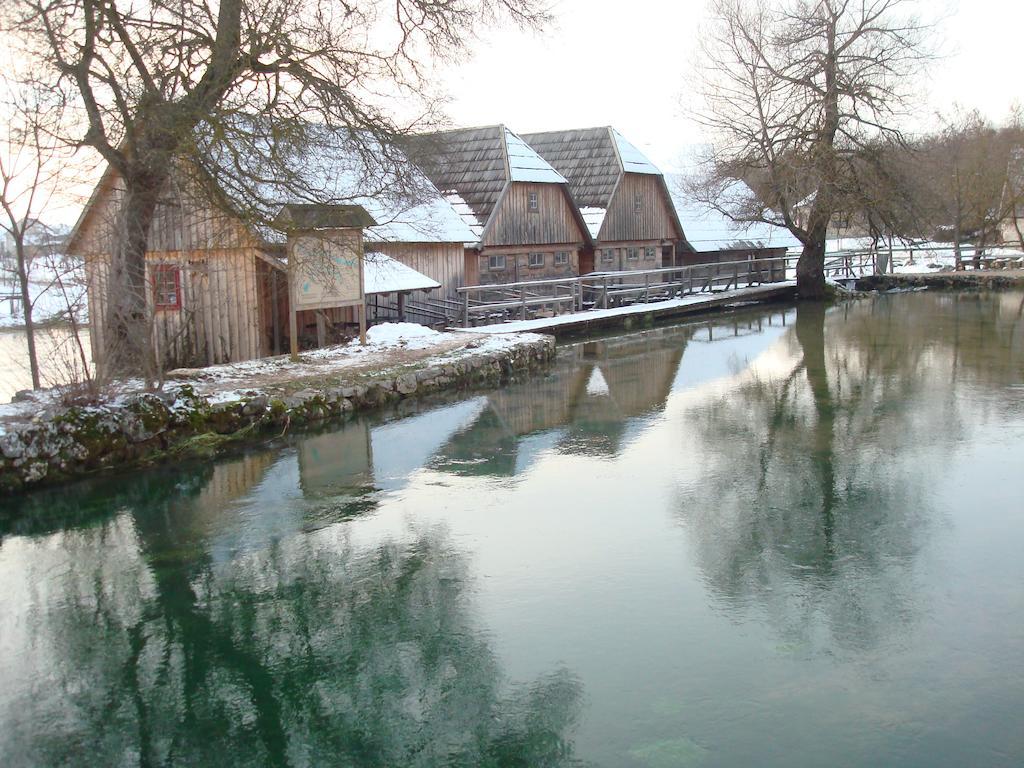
(919, 256)
(386, 346)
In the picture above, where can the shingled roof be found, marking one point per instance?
(592, 159)
(473, 165)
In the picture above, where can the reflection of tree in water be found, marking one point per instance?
(798, 508)
(309, 651)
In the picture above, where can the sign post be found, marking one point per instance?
(325, 264)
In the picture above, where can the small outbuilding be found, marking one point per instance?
(714, 237)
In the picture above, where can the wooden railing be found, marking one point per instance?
(968, 257)
(546, 298)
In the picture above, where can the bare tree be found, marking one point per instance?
(27, 179)
(166, 82)
(797, 93)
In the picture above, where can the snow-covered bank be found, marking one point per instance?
(43, 440)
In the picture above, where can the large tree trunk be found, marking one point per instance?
(128, 338)
(810, 270)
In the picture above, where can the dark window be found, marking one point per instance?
(638, 202)
(496, 261)
(561, 258)
(633, 254)
(166, 287)
(533, 204)
(649, 253)
(608, 255)
(536, 259)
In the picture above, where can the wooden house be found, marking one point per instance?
(526, 224)
(219, 281)
(622, 197)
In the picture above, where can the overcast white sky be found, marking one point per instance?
(627, 63)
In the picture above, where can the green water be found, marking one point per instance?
(782, 538)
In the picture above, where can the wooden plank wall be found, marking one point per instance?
(514, 224)
(622, 222)
(219, 319)
(444, 262)
(182, 222)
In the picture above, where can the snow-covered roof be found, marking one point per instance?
(593, 217)
(465, 211)
(383, 274)
(710, 230)
(526, 165)
(476, 164)
(633, 160)
(592, 159)
(326, 166)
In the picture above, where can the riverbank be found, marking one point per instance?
(46, 440)
(979, 279)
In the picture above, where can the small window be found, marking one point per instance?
(536, 260)
(533, 203)
(496, 261)
(638, 202)
(649, 253)
(608, 255)
(166, 287)
(633, 254)
(561, 258)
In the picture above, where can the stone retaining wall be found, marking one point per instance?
(150, 427)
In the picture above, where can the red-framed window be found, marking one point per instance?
(166, 286)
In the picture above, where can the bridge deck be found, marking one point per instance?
(593, 319)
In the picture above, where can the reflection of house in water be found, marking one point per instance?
(596, 392)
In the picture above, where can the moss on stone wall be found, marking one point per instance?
(150, 427)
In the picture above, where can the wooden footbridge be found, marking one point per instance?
(623, 299)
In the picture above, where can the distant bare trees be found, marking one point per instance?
(962, 178)
(222, 86)
(804, 96)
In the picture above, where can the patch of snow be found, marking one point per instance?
(225, 396)
(526, 165)
(593, 217)
(708, 230)
(388, 334)
(633, 160)
(464, 210)
(383, 274)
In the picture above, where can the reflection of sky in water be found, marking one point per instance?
(530, 448)
(727, 354)
(271, 511)
(404, 446)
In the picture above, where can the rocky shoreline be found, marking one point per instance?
(63, 443)
(981, 279)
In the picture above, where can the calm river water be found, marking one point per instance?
(784, 538)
